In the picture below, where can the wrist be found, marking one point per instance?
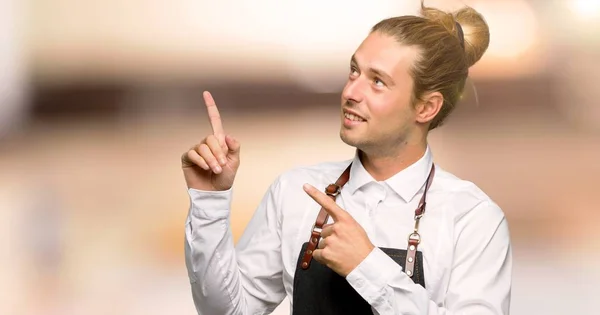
(362, 255)
(373, 274)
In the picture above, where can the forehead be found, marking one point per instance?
(383, 52)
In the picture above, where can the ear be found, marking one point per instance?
(429, 107)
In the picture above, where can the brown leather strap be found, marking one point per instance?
(332, 190)
(414, 238)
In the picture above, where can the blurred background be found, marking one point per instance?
(98, 100)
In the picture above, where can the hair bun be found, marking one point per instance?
(460, 34)
(475, 31)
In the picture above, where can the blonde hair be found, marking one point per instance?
(445, 56)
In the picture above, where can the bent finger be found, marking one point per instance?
(192, 157)
(209, 157)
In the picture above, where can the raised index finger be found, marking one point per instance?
(213, 115)
(326, 202)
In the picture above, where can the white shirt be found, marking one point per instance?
(467, 257)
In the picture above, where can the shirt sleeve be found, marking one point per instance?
(480, 282)
(229, 280)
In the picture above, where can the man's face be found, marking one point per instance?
(377, 114)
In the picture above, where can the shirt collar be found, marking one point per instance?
(406, 183)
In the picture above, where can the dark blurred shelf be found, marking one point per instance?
(107, 99)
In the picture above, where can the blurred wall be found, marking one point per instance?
(92, 199)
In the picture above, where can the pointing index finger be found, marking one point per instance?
(326, 202)
(213, 115)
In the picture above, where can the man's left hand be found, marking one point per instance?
(344, 244)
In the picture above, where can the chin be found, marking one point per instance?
(351, 141)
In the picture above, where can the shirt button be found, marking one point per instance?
(360, 282)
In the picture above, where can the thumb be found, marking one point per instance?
(233, 145)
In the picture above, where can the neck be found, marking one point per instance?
(384, 166)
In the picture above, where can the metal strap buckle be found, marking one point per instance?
(333, 190)
(414, 236)
(316, 229)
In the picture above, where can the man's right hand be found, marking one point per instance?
(211, 165)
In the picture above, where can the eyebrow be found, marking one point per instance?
(377, 72)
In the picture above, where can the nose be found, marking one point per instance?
(353, 91)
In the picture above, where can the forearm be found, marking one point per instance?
(389, 291)
(210, 255)
(383, 284)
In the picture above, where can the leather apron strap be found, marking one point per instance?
(332, 190)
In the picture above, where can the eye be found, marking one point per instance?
(353, 71)
(378, 82)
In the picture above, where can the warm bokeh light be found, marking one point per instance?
(513, 27)
(585, 9)
(246, 39)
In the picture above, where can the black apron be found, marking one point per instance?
(318, 290)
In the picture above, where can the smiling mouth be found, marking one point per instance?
(353, 117)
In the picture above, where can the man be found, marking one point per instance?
(385, 233)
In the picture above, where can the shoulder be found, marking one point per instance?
(316, 174)
(465, 198)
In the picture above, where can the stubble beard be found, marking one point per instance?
(360, 142)
(374, 147)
